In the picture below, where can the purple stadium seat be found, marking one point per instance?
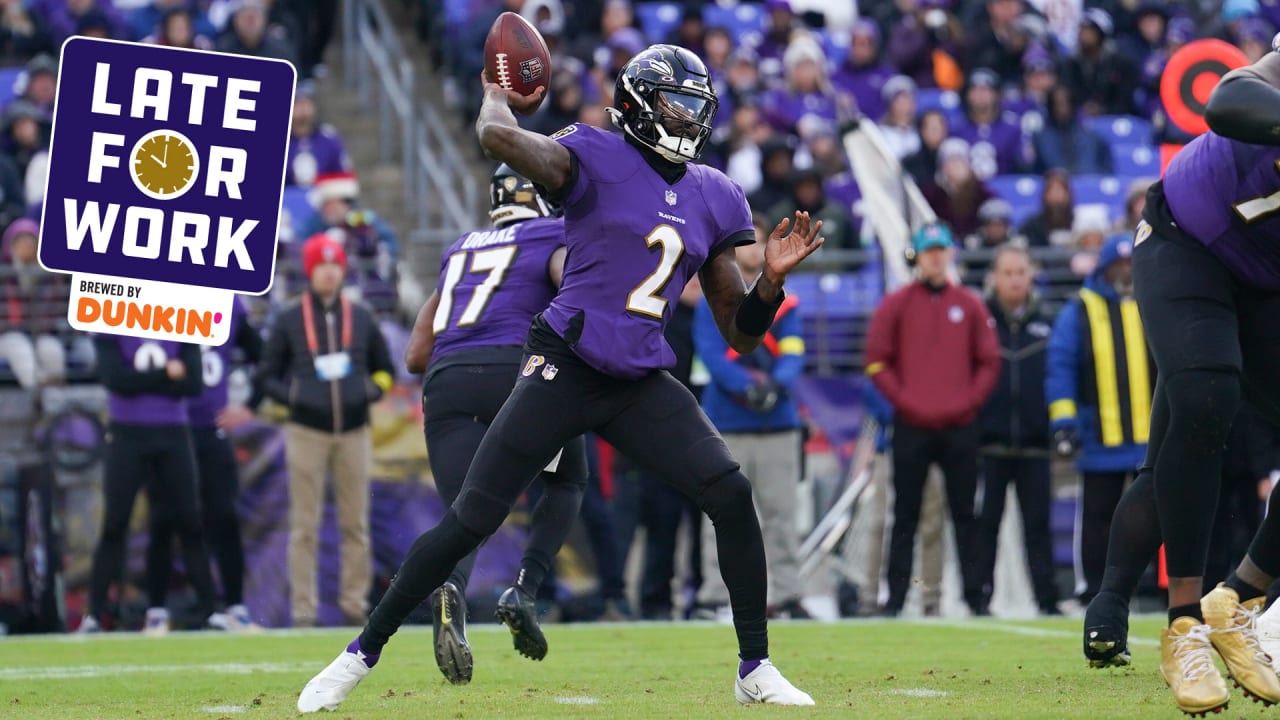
(1136, 160)
(1100, 189)
(948, 101)
(1118, 129)
(1062, 523)
(836, 45)
(740, 21)
(658, 19)
(299, 207)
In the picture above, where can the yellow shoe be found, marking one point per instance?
(1186, 662)
(1234, 635)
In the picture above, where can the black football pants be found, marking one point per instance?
(1030, 478)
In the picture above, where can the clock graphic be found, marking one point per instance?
(164, 165)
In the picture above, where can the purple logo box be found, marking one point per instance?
(122, 142)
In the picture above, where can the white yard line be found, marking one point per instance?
(920, 692)
(584, 700)
(224, 709)
(65, 672)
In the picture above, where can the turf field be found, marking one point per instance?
(870, 669)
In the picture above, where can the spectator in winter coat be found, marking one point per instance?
(955, 192)
(315, 148)
(997, 145)
(923, 164)
(864, 72)
(1099, 386)
(327, 361)
(1101, 79)
(1015, 428)
(932, 351)
(1065, 142)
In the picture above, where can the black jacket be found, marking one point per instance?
(288, 373)
(1015, 419)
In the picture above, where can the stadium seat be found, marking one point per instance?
(1017, 188)
(740, 21)
(1118, 129)
(298, 207)
(658, 19)
(1099, 189)
(948, 101)
(836, 45)
(8, 84)
(1135, 160)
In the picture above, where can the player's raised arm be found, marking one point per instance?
(1245, 105)
(543, 160)
(744, 314)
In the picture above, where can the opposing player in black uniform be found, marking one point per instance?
(640, 219)
(1206, 266)
(468, 339)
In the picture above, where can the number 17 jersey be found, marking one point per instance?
(1226, 194)
(633, 243)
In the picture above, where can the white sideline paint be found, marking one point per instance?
(223, 709)
(920, 692)
(95, 671)
(585, 700)
(1029, 631)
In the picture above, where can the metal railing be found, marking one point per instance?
(434, 173)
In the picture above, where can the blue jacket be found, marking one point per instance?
(1102, 392)
(878, 407)
(780, 356)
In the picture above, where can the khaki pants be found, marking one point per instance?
(772, 464)
(865, 546)
(310, 455)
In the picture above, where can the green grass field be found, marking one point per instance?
(902, 670)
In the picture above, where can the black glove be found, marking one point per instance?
(762, 396)
(1066, 441)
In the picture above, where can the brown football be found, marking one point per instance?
(516, 56)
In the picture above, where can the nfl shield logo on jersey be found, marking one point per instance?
(671, 197)
(549, 372)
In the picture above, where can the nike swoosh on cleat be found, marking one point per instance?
(757, 694)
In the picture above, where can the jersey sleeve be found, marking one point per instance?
(583, 143)
(736, 227)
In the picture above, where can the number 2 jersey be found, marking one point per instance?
(633, 243)
(492, 283)
(1226, 194)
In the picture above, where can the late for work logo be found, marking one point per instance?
(166, 174)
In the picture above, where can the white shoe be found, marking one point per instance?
(236, 619)
(766, 685)
(1268, 628)
(157, 622)
(89, 624)
(327, 690)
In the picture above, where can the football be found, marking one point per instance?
(516, 56)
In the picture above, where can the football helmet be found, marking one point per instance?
(663, 98)
(513, 198)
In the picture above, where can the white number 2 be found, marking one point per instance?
(646, 298)
(496, 262)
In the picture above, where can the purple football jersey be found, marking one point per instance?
(999, 148)
(321, 152)
(492, 283)
(202, 411)
(1225, 194)
(147, 408)
(634, 241)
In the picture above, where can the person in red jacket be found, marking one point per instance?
(932, 351)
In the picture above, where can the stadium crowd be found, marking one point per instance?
(1032, 125)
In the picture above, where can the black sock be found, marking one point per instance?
(426, 566)
(549, 526)
(740, 547)
(1191, 611)
(1242, 588)
(1134, 540)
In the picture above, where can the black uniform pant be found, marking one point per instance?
(654, 420)
(160, 459)
(955, 450)
(459, 403)
(1212, 339)
(219, 480)
(1030, 478)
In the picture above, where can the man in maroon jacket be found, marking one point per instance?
(932, 351)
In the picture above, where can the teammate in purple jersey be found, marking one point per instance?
(1206, 267)
(148, 446)
(211, 416)
(468, 338)
(640, 219)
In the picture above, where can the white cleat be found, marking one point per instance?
(1268, 628)
(766, 685)
(157, 623)
(236, 620)
(327, 690)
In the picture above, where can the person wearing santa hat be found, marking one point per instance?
(327, 361)
(335, 196)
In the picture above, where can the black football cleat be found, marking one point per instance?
(449, 634)
(1106, 631)
(519, 613)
